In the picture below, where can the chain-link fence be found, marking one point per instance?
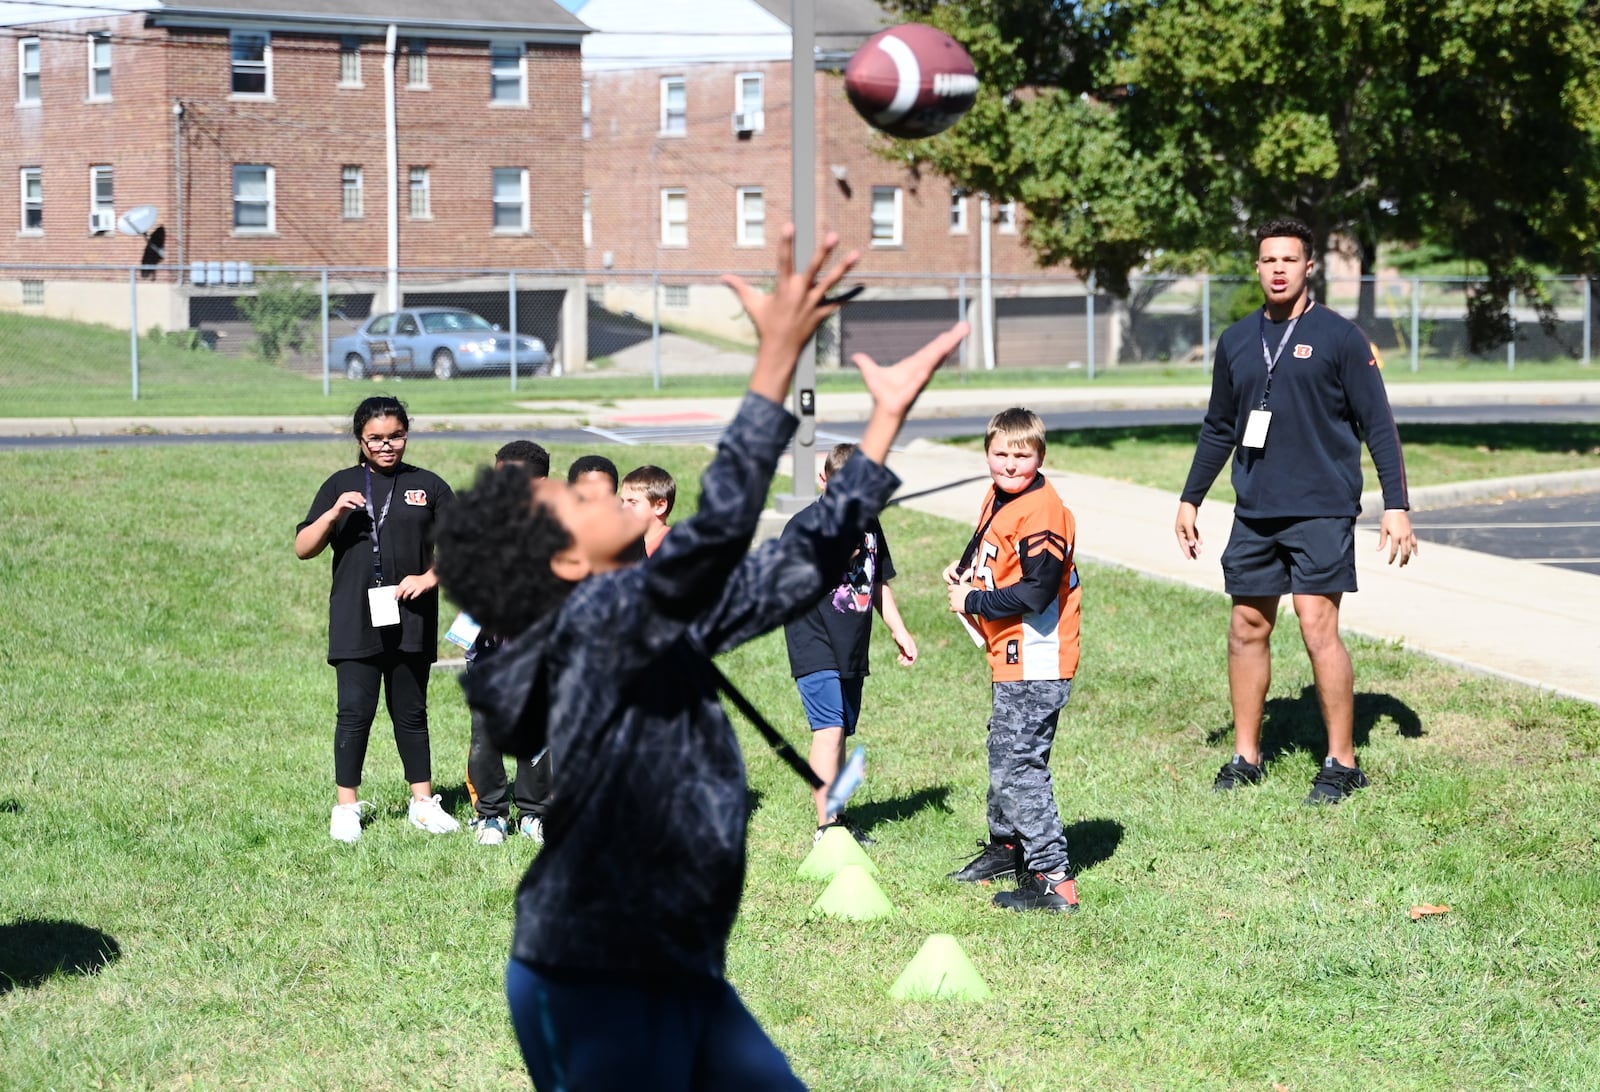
(226, 333)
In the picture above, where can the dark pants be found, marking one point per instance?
(404, 680)
(1022, 800)
(486, 778)
(585, 1032)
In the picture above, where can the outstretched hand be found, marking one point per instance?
(894, 389)
(786, 317)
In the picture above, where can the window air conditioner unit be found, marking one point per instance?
(744, 121)
(102, 222)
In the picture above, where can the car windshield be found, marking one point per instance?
(444, 322)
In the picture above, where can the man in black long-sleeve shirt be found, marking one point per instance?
(616, 976)
(1295, 389)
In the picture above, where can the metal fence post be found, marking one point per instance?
(512, 322)
(1205, 320)
(1089, 311)
(133, 328)
(1511, 345)
(961, 316)
(327, 387)
(1588, 316)
(655, 328)
(1416, 321)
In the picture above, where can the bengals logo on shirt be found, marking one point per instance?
(1302, 352)
(418, 497)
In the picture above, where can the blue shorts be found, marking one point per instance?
(1313, 555)
(830, 702)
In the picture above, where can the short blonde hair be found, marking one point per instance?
(836, 459)
(1016, 425)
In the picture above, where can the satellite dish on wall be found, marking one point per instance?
(138, 220)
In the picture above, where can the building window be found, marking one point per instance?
(32, 292)
(675, 295)
(99, 66)
(588, 124)
(350, 63)
(102, 201)
(417, 64)
(252, 62)
(749, 103)
(588, 220)
(674, 217)
(421, 200)
(32, 200)
(252, 198)
(674, 106)
(507, 67)
(510, 199)
(958, 212)
(28, 72)
(886, 206)
(1005, 218)
(752, 214)
(350, 191)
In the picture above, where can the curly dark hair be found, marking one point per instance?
(592, 464)
(494, 546)
(529, 454)
(1287, 228)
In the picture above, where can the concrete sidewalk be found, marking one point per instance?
(1536, 624)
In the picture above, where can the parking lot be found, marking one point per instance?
(1557, 530)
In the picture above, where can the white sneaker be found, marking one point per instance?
(344, 825)
(426, 814)
(531, 826)
(489, 832)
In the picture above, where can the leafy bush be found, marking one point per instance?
(279, 312)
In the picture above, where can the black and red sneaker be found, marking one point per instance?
(996, 861)
(1038, 891)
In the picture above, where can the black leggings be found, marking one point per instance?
(404, 677)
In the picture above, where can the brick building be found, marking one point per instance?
(260, 133)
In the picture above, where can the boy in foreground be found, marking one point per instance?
(616, 976)
(649, 493)
(1017, 585)
(829, 647)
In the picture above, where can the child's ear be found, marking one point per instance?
(822, 479)
(659, 508)
(570, 564)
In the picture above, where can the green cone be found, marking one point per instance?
(940, 969)
(835, 849)
(853, 895)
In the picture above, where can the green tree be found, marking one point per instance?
(1153, 134)
(278, 313)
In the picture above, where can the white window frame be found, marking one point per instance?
(674, 216)
(35, 175)
(1005, 218)
(501, 74)
(32, 292)
(419, 193)
(499, 202)
(588, 219)
(417, 65)
(958, 211)
(896, 223)
(107, 201)
(352, 195)
(29, 80)
(350, 62)
(237, 68)
(588, 111)
(670, 116)
(750, 230)
(675, 296)
(756, 111)
(97, 68)
(268, 201)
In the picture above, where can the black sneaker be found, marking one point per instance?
(1235, 772)
(863, 839)
(1335, 781)
(1037, 891)
(996, 861)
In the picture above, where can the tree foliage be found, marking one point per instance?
(278, 312)
(1153, 134)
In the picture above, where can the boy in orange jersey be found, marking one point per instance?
(1017, 586)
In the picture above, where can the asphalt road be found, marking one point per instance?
(1563, 531)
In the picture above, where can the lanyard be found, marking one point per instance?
(1271, 358)
(377, 525)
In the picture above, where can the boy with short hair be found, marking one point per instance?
(1017, 586)
(649, 493)
(829, 644)
(593, 474)
(616, 977)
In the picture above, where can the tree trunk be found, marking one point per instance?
(1367, 299)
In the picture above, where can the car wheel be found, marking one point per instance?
(355, 369)
(444, 364)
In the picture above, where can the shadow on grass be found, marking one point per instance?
(1091, 841)
(866, 816)
(1295, 724)
(32, 952)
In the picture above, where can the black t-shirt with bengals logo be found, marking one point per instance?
(406, 547)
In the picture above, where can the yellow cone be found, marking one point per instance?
(835, 849)
(855, 895)
(940, 969)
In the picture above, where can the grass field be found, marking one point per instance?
(163, 823)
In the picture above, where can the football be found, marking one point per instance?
(911, 81)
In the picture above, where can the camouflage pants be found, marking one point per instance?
(1022, 803)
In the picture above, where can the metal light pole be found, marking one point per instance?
(802, 165)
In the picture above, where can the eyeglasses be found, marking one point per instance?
(384, 443)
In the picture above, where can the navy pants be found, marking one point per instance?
(582, 1032)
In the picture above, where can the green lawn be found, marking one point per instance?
(168, 716)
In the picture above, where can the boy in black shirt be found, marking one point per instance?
(616, 977)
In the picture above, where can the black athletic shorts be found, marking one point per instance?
(1309, 555)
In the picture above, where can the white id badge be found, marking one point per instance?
(383, 606)
(1255, 428)
(463, 631)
